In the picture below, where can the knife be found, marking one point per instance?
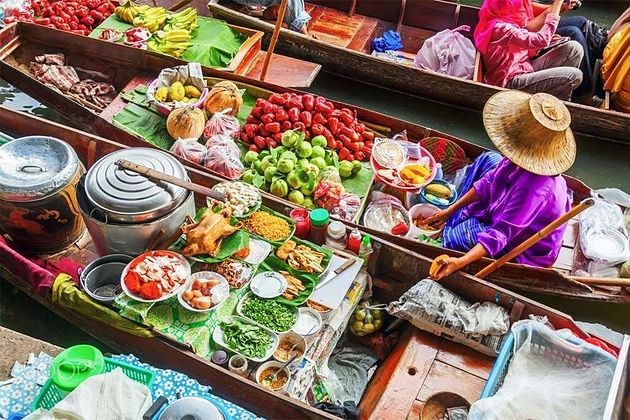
(331, 275)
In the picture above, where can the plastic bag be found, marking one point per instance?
(448, 52)
(221, 123)
(226, 142)
(367, 318)
(552, 375)
(222, 159)
(190, 149)
(603, 235)
(329, 189)
(385, 212)
(348, 207)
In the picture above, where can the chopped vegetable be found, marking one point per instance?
(249, 340)
(269, 313)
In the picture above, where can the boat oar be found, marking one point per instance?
(274, 39)
(543, 233)
(602, 281)
(161, 176)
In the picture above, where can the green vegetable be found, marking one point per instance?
(250, 157)
(279, 188)
(269, 313)
(308, 188)
(303, 163)
(257, 166)
(345, 169)
(288, 155)
(248, 176)
(296, 197)
(249, 340)
(286, 165)
(304, 150)
(356, 166)
(296, 178)
(266, 162)
(318, 151)
(319, 141)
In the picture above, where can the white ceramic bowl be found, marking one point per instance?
(222, 289)
(267, 365)
(422, 210)
(293, 338)
(302, 312)
(175, 289)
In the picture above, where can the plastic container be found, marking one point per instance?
(238, 364)
(302, 222)
(101, 278)
(50, 394)
(366, 249)
(319, 219)
(220, 357)
(422, 211)
(336, 235)
(354, 241)
(423, 197)
(74, 365)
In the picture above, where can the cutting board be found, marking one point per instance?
(332, 293)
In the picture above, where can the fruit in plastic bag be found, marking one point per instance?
(366, 319)
(222, 159)
(221, 123)
(190, 149)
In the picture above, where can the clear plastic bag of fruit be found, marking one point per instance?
(223, 160)
(190, 149)
(348, 207)
(226, 142)
(329, 189)
(222, 123)
(367, 318)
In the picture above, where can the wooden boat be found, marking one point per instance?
(420, 365)
(344, 32)
(130, 67)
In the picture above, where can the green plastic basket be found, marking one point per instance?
(50, 394)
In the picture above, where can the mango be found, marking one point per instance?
(176, 92)
(161, 94)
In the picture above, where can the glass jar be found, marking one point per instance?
(302, 222)
(319, 219)
(336, 235)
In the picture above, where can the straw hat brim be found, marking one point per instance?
(543, 149)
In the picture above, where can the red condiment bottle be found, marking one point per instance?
(354, 241)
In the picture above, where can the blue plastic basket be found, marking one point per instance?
(50, 394)
(499, 370)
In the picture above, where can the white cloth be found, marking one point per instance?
(110, 396)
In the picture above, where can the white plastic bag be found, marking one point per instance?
(552, 375)
(448, 52)
(190, 149)
(603, 235)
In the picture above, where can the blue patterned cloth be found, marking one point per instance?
(18, 396)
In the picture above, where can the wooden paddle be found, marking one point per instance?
(160, 176)
(602, 281)
(274, 39)
(543, 233)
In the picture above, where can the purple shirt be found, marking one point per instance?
(515, 204)
(510, 49)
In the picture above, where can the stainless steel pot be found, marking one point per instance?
(101, 278)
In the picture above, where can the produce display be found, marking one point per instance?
(269, 313)
(313, 115)
(268, 226)
(241, 197)
(224, 96)
(205, 236)
(366, 319)
(301, 257)
(77, 16)
(249, 340)
(206, 291)
(236, 273)
(155, 274)
(177, 92)
(293, 169)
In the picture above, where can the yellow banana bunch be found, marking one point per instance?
(185, 19)
(152, 18)
(173, 42)
(128, 11)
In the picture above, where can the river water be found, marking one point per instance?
(599, 164)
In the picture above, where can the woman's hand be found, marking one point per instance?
(568, 5)
(438, 219)
(448, 266)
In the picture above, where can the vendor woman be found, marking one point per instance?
(509, 199)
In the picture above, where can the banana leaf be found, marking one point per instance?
(361, 182)
(144, 123)
(309, 280)
(290, 221)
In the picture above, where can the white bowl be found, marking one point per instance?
(223, 288)
(422, 210)
(268, 284)
(307, 312)
(128, 292)
(267, 365)
(217, 337)
(293, 338)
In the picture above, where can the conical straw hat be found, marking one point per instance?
(531, 130)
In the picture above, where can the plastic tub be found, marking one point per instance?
(422, 197)
(101, 278)
(273, 364)
(422, 210)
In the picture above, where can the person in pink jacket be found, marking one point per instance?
(516, 58)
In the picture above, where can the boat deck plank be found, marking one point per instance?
(446, 378)
(285, 71)
(465, 359)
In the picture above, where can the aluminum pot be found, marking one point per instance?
(100, 279)
(38, 205)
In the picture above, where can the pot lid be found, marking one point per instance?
(123, 194)
(192, 408)
(35, 167)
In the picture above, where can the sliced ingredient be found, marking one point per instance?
(294, 286)
(237, 273)
(156, 274)
(269, 313)
(268, 226)
(249, 340)
(240, 196)
(301, 257)
(205, 236)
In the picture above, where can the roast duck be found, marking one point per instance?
(205, 236)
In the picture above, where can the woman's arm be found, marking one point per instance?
(541, 11)
(440, 218)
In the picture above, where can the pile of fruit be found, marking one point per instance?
(291, 169)
(315, 116)
(366, 319)
(76, 16)
(171, 32)
(177, 92)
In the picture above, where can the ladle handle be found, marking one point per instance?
(153, 174)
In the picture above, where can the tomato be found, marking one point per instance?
(151, 290)
(132, 281)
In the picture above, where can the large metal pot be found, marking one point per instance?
(128, 213)
(38, 205)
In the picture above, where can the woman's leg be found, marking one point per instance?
(577, 35)
(463, 235)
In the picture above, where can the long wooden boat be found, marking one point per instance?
(130, 67)
(344, 31)
(420, 364)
